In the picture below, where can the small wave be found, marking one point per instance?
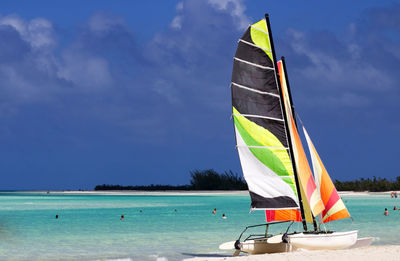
(119, 259)
(161, 258)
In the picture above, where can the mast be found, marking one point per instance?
(294, 117)
(286, 124)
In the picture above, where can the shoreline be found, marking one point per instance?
(133, 192)
(172, 192)
(374, 252)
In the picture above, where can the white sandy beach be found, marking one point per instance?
(373, 253)
(141, 192)
(185, 192)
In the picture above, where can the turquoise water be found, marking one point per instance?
(89, 226)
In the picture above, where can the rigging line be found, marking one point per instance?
(263, 147)
(298, 116)
(254, 64)
(254, 45)
(258, 29)
(254, 90)
(257, 116)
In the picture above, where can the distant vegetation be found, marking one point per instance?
(211, 180)
(372, 185)
(151, 187)
(200, 180)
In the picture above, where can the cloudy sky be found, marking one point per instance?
(137, 92)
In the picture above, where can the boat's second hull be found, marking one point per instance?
(323, 241)
(261, 246)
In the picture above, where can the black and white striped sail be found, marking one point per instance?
(261, 138)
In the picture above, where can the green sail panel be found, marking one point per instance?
(259, 123)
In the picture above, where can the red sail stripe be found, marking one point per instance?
(311, 187)
(332, 200)
(270, 215)
(282, 215)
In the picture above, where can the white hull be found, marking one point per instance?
(329, 241)
(362, 242)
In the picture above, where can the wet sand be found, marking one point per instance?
(375, 253)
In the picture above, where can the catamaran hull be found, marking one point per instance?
(261, 246)
(323, 241)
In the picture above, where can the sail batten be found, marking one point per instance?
(257, 116)
(266, 147)
(255, 45)
(258, 29)
(254, 64)
(254, 90)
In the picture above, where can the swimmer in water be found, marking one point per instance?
(223, 216)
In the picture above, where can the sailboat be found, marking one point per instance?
(272, 156)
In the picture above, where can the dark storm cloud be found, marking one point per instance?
(182, 74)
(356, 68)
(149, 90)
(108, 107)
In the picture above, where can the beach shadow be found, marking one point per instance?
(206, 255)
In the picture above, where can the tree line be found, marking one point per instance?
(200, 180)
(373, 185)
(210, 179)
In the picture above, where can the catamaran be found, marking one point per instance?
(273, 160)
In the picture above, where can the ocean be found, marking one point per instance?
(155, 227)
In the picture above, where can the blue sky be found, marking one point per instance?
(137, 92)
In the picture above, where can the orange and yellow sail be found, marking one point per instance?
(306, 180)
(334, 206)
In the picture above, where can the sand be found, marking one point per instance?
(373, 253)
(183, 192)
(140, 192)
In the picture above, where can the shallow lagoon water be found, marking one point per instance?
(89, 226)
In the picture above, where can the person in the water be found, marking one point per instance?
(386, 213)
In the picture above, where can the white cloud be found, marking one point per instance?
(102, 23)
(177, 22)
(166, 89)
(236, 8)
(179, 6)
(91, 73)
(37, 32)
(339, 69)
